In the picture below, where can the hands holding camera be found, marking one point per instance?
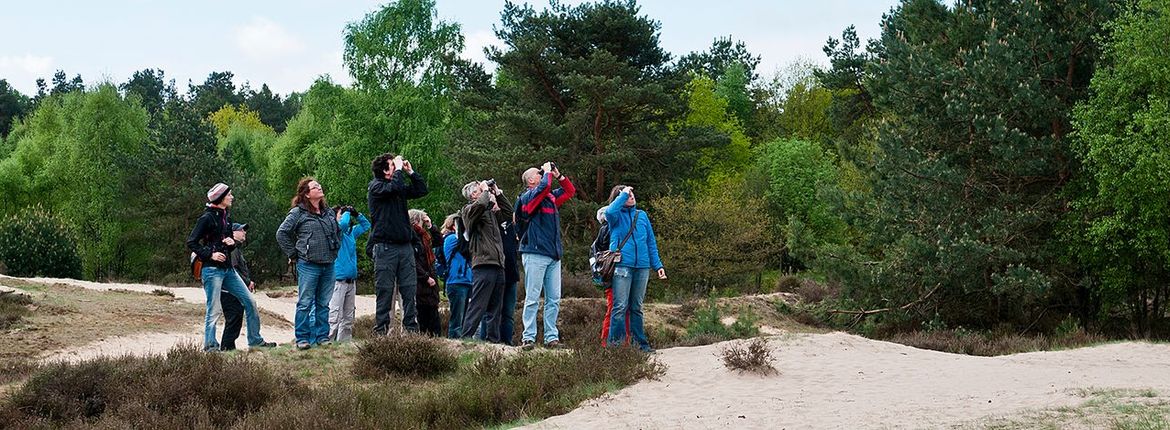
(551, 167)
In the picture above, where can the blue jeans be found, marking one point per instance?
(629, 289)
(507, 316)
(216, 280)
(314, 290)
(541, 274)
(457, 296)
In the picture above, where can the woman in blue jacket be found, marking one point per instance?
(630, 233)
(458, 277)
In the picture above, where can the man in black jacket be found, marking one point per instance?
(211, 242)
(390, 240)
(233, 310)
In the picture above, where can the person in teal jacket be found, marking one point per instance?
(341, 305)
(639, 251)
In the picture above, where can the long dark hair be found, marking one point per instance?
(301, 198)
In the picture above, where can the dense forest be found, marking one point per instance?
(981, 164)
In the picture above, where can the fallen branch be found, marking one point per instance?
(861, 314)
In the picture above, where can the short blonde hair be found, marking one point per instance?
(416, 216)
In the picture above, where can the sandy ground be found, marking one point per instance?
(148, 343)
(833, 380)
(838, 380)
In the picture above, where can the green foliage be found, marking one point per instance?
(13, 105)
(707, 109)
(1119, 227)
(404, 355)
(974, 154)
(799, 176)
(708, 321)
(77, 156)
(35, 243)
(718, 239)
(586, 86)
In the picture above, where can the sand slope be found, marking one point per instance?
(838, 380)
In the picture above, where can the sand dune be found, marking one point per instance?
(839, 380)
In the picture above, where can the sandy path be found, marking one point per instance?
(148, 343)
(839, 380)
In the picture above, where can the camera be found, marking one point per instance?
(491, 183)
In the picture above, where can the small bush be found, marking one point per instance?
(754, 356)
(184, 386)
(815, 292)
(404, 355)
(35, 243)
(13, 308)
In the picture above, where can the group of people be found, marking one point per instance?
(477, 254)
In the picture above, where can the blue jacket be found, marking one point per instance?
(345, 267)
(537, 213)
(641, 251)
(457, 270)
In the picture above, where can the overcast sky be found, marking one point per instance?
(288, 44)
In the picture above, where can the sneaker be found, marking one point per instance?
(325, 343)
(555, 344)
(527, 345)
(303, 345)
(264, 345)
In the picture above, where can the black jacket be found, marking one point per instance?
(207, 237)
(387, 201)
(424, 292)
(511, 251)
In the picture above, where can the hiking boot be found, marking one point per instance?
(555, 344)
(264, 345)
(527, 345)
(302, 345)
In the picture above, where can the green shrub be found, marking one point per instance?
(707, 326)
(720, 239)
(33, 242)
(404, 355)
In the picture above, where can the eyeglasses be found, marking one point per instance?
(318, 187)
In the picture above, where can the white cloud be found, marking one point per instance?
(263, 39)
(474, 44)
(27, 64)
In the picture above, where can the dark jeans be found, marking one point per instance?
(394, 266)
(428, 319)
(233, 320)
(457, 296)
(507, 315)
(487, 291)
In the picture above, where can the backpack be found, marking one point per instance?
(442, 268)
(520, 220)
(600, 244)
(463, 246)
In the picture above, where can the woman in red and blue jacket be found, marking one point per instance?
(630, 233)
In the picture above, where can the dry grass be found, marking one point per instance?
(754, 356)
(992, 344)
(189, 389)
